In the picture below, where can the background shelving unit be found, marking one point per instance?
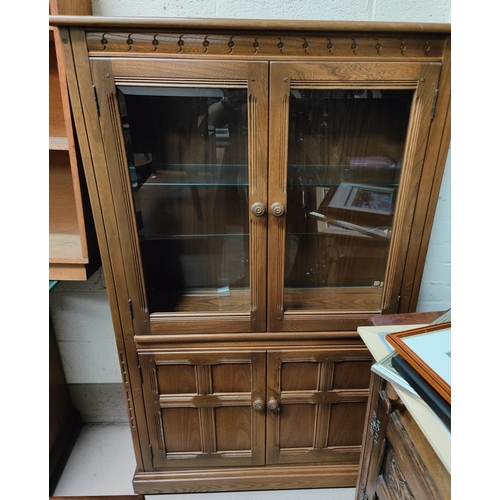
(73, 253)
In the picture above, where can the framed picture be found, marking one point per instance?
(363, 204)
(363, 198)
(326, 225)
(428, 351)
(385, 369)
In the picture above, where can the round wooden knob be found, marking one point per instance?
(258, 209)
(277, 209)
(273, 405)
(258, 404)
(391, 405)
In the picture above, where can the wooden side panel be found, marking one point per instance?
(316, 405)
(201, 408)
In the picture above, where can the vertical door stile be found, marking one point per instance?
(323, 410)
(258, 106)
(278, 154)
(207, 421)
(121, 197)
(414, 156)
(273, 418)
(258, 420)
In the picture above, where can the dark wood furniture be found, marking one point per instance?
(424, 317)
(208, 147)
(397, 460)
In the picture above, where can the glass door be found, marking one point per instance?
(185, 141)
(343, 182)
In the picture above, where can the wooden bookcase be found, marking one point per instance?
(73, 253)
(235, 308)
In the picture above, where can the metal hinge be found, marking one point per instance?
(96, 100)
(434, 103)
(131, 310)
(398, 304)
(151, 453)
(140, 374)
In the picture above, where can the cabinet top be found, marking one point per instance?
(250, 25)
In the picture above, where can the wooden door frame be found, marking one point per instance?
(107, 74)
(205, 401)
(423, 78)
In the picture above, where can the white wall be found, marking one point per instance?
(80, 311)
(349, 10)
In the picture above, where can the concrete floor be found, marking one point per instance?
(102, 463)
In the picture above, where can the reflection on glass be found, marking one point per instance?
(344, 163)
(188, 166)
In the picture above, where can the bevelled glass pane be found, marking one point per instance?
(187, 151)
(345, 157)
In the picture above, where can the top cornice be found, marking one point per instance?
(248, 25)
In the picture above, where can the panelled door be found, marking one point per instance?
(347, 144)
(214, 409)
(316, 406)
(185, 146)
(205, 408)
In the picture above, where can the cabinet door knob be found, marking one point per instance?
(273, 405)
(277, 209)
(258, 404)
(391, 405)
(258, 209)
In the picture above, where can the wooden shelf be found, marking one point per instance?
(57, 143)
(73, 253)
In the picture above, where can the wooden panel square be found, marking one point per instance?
(299, 376)
(181, 427)
(297, 426)
(352, 375)
(176, 379)
(233, 428)
(233, 377)
(346, 424)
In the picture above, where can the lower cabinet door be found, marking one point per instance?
(213, 409)
(316, 405)
(205, 409)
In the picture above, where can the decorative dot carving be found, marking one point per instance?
(130, 42)
(281, 45)
(272, 45)
(256, 45)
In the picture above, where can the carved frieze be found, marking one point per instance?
(374, 427)
(395, 479)
(265, 46)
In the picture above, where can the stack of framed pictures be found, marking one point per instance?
(422, 358)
